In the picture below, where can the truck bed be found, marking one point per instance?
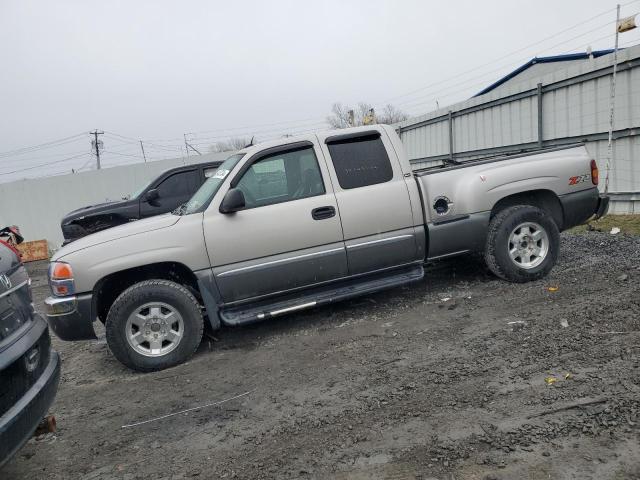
(458, 198)
(457, 164)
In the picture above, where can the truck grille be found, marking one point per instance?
(23, 373)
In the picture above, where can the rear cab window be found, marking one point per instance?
(360, 161)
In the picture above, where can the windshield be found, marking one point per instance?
(205, 193)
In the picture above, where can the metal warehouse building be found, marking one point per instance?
(547, 102)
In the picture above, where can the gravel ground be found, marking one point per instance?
(461, 376)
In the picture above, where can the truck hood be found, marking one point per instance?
(92, 210)
(121, 231)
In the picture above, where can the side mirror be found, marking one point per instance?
(152, 195)
(232, 201)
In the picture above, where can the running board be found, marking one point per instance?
(255, 312)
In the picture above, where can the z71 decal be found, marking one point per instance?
(578, 179)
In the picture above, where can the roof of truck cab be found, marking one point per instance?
(313, 137)
(189, 166)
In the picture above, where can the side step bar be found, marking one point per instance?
(245, 314)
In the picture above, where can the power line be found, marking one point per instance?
(505, 56)
(9, 163)
(502, 67)
(51, 144)
(122, 154)
(432, 95)
(44, 164)
(247, 133)
(251, 127)
(240, 131)
(132, 140)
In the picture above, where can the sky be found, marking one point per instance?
(155, 70)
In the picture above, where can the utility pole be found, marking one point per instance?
(186, 145)
(189, 146)
(96, 145)
(143, 154)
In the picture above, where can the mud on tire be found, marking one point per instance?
(154, 307)
(539, 233)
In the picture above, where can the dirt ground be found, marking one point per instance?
(445, 379)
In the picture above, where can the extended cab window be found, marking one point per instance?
(282, 177)
(360, 161)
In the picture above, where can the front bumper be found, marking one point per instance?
(71, 318)
(19, 422)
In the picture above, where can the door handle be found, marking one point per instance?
(322, 213)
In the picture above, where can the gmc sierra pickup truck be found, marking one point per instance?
(305, 221)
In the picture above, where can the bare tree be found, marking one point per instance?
(340, 116)
(391, 114)
(233, 144)
(343, 116)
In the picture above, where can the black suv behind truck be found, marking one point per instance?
(29, 368)
(163, 194)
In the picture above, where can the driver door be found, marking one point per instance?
(288, 235)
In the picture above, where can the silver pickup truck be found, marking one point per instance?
(305, 221)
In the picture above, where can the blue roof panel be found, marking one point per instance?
(533, 61)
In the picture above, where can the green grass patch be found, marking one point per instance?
(629, 224)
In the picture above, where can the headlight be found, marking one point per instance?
(61, 279)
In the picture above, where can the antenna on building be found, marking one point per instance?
(622, 25)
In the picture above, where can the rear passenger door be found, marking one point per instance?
(373, 200)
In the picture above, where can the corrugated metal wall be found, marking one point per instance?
(37, 205)
(574, 108)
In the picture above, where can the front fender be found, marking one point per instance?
(182, 242)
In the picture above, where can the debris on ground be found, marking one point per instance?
(517, 325)
(187, 410)
(409, 398)
(614, 231)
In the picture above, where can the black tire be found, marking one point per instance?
(497, 254)
(166, 292)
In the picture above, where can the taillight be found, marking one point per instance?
(594, 172)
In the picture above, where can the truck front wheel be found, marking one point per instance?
(522, 244)
(154, 324)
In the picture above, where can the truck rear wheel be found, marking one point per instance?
(522, 244)
(154, 324)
